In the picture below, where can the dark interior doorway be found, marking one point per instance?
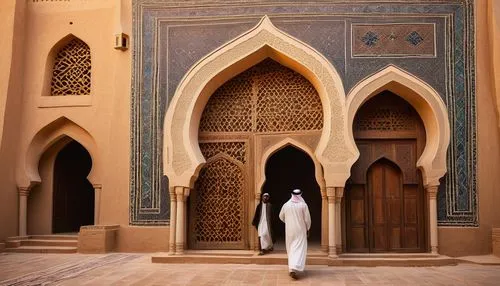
(288, 169)
(73, 197)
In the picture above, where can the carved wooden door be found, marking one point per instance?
(384, 199)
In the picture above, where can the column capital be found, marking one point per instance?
(330, 193)
(97, 186)
(23, 191)
(171, 192)
(339, 193)
(181, 191)
(432, 191)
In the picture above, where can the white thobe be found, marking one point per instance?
(263, 230)
(297, 221)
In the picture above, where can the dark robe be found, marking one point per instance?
(269, 215)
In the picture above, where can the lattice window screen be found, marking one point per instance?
(266, 98)
(219, 206)
(71, 72)
(388, 112)
(235, 150)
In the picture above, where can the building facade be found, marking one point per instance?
(168, 120)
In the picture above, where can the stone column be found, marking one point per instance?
(339, 193)
(173, 217)
(324, 221)
(431, 196)
(332, 252)
(97, 202)
(23, 210)
(182, 193)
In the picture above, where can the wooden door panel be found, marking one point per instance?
(411, 238)
(410, 211)
(395, 238)
(357, 212)
(357, 224)
(394, 216)
(357, 240)
(379, 238)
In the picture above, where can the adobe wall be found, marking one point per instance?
(106, 118)
(12, 18)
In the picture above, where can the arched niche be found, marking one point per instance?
(51, 60)
(426, 102)
(53, 133)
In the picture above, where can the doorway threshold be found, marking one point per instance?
(313, 258)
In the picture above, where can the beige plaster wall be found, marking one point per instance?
(474, 241)
(40, 198)
(12, 26)
(106, 118)
(142, 239)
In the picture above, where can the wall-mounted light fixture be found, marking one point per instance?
(121, 41)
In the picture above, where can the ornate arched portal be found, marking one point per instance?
(432, 110)
(183, 158)
(384, 199)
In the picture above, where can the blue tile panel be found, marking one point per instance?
(171, 36)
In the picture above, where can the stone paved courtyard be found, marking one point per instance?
(136, 269)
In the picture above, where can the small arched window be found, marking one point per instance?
(72, 69)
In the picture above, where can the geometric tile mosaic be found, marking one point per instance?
(393, 40)
(435, 41)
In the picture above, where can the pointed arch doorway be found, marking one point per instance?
(384, 207)
(73, 195)
(287, 169)
(240, 122)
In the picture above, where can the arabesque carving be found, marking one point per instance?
(71, 72)
(266, 98)
(218, 206)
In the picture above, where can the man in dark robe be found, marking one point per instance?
(262, 222)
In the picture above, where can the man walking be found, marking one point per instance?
(262, 221)
(295, 214)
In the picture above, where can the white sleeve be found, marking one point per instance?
(282, 213)
(307, 217)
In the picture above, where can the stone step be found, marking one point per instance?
(281, 259)
(49, 242)
(42, 249)
(388, 255)
(55, 237)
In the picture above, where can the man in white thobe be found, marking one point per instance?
(262, 221)
(295, 214)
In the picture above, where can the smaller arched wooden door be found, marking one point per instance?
(384, 207)
(394, 225)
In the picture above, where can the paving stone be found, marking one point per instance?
(137, 269)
